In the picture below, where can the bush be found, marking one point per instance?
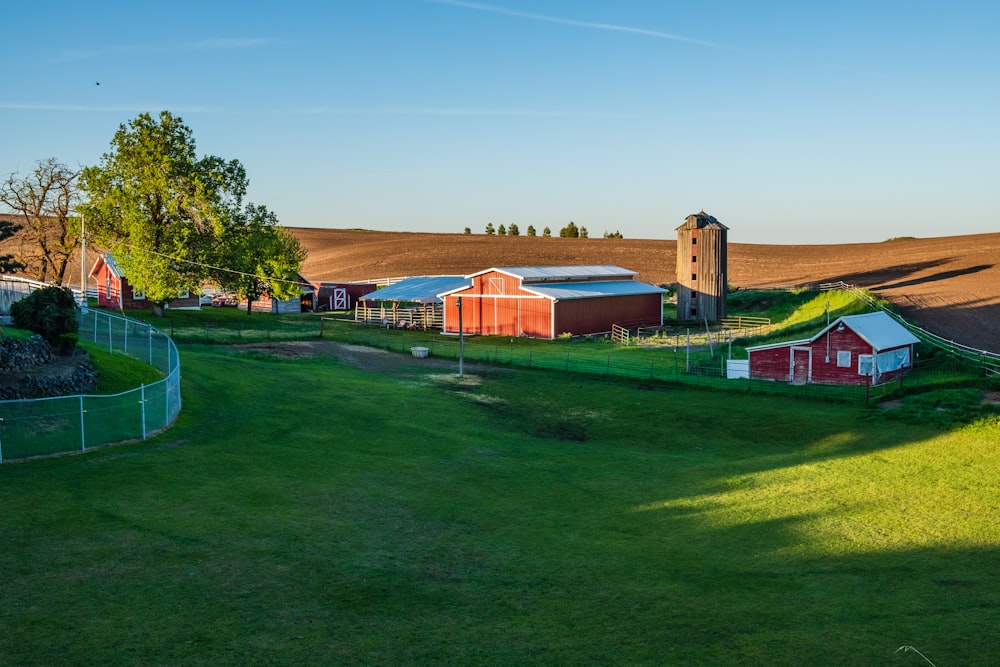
(50, 312)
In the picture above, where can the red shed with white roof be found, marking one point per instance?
(855, 349)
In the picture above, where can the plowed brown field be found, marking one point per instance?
(948, 285)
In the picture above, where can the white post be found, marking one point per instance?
(461, 339)
(142, 407)
(83, 265)
(83, 430)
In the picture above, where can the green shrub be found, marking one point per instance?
(50, 312)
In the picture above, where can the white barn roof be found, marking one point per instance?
(588, 290)
(534, 274)
(877, 329)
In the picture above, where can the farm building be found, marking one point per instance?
(701, 268)
(114, 290)
(546, 301)
(872, 348)
(327, 295)
(411, 303)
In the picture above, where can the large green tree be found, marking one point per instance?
(43, 202)
(255, 256)
(159, 208)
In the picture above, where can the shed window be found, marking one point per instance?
(694, 276)
(694, 240)
(694, 258)
(844, 358)
(138, 293)
(866, 364)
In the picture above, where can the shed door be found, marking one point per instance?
(340, 301)
(801, 367)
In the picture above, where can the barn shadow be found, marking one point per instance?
(898, 272)
(942, 275)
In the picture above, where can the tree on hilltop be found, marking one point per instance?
(570, 231)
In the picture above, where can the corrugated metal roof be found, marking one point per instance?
(878, 329)
(113, 267)
(574, 272)
(588, 290)
(418, 289)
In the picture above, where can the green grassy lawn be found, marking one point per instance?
(307, 512)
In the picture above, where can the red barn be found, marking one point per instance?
(546, 301)
(871, 348)
(114, 290)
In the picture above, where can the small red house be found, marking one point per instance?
(546, 301)
(114, 290)
(856, 349)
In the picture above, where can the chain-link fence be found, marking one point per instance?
(47, 426)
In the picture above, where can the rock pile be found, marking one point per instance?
(29, 369)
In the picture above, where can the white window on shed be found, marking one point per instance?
(843, 358)
(866, 364)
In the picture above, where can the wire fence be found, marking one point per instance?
(644, 365)
(63, 424)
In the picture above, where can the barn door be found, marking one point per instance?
(801, 366)
(340, 300)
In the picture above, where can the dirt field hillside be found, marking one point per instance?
(949, 285)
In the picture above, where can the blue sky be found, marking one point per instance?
(791, 122)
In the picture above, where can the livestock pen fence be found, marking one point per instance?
(643, 364)
(63, 424)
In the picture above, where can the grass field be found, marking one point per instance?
(303, 511)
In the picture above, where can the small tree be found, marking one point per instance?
(583, 233)
(467, 231)
(546, 232)
(50, 312)
(259, 257)
(569, 231)
(613, 235)
(531, 230)
(513, 230)
(501, 230)
(489, 229)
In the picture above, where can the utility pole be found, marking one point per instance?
(461, 339)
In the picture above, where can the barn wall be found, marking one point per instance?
(496, 305)
(499, 315)
(586, 316)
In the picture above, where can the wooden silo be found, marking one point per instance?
(701, 268)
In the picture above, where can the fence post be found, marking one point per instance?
(83, 431)
(142, 407)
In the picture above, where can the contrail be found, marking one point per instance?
(579, 24)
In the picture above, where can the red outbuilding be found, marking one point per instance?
(547, 301)
(115, 291)
(855, 349)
